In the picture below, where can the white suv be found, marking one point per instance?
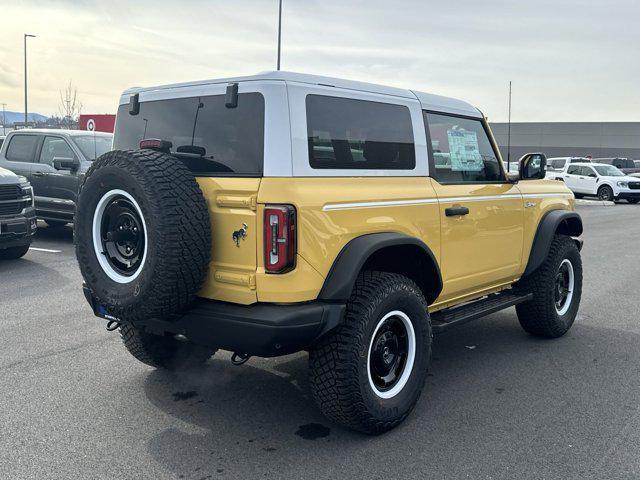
(560, 163)
(597, 179)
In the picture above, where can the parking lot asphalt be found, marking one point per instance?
(498, 403)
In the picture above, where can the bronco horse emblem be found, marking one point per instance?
(240, 234)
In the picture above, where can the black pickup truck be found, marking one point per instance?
(17, 215)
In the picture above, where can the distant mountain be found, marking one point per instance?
(12, 117)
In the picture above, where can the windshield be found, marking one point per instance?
(609, 171)
(92, 146)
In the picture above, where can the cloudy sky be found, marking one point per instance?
(569, 60)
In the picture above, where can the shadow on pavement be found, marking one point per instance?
(492, 390)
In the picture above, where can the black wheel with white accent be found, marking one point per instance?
(368, 373)
(142, 234)
(556, 288)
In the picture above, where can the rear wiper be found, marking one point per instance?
(192, 150)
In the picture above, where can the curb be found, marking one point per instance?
(594, 203)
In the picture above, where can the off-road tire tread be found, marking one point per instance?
(538, 316)
(163, 352)
(333, 360)
(184, 237)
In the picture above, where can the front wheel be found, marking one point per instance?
(163, 352)
(13, 253)
(605, 193)
(633, 201)
(369, 372)
(557, 288)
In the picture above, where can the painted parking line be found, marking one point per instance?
(47, 250)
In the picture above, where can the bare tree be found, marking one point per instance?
(70, 106)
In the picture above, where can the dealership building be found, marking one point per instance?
(566, 139)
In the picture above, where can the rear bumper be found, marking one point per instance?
(17, 230)
(262, 329)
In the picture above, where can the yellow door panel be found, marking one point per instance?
(482, 249)
(232, 271)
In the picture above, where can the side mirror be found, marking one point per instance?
(533, 166)
(66, 163)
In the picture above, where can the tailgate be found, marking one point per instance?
(232, 272)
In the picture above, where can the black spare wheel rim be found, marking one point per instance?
(391, 354)
(122, 234)
(142, 234)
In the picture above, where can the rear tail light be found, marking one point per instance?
(156, 144)
(279, 238)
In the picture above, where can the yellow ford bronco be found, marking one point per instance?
(282, 212)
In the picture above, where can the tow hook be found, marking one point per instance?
(112, 325)
(239, 358)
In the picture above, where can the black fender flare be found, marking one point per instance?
(344, 272)
(556, 221)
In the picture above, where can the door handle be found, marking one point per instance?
(456, 211)
(38, 174)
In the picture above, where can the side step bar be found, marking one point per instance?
(443, 320)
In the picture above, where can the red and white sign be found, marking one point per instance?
(97, 122)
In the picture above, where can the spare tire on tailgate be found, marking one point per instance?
(142, 234)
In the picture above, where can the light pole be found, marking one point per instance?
(279, 31)
(4, 120)
(25, 78)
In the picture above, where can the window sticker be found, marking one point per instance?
(464, 151)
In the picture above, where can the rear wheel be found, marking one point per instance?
(13, 253)
(605, 193)
(368, 373)
(163, 352)
(556, 288)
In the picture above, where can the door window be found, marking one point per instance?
(574, 170)
(22, 148)
(588, 172)
(345, 133)
(461, 150)
(55, 147)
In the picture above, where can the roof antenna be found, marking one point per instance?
(279, 31)
(509, 133)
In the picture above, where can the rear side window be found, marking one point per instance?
(462, 152)
(22, 148)
(557, 164)
(209, 137)
(574, 170)
(345, 133)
